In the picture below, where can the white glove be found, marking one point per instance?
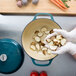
(70, 36)
(68, 47)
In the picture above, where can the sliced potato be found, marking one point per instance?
(40, 34)
(51, 43)
(47, 32)
(56, 43)
(43, 29)
(42, 44)
(44, 48)
(36, 32)
(63, 41)
(44, 52)
(53, 48)
(48, 40)
(59, 45)
(49, 51)
(33, 43)
(59, 37)
(38, 46)
(37, 39)
(33, 47)
(51, 31)
(52, 38)
(55, 40)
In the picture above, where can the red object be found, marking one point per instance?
(34, 74)
(43, 73)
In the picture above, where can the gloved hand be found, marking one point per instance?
(69, 47)
(70, 36)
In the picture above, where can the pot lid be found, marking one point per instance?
(11, 56)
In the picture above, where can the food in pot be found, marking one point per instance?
(44, 29)
(40, 34)
(37, 39)
(48, 40)
(49, 51)
(36, 32)
(37, 46)
(33, 47)
(44, 52)
(59, 37)
(47, 32)
(63, 41)
(51, 31)
(53, 42)
(53, 48)
(44, 48)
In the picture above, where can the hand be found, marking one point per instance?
(70, 36)
(68, 47)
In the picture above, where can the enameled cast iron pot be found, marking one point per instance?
(28, 33)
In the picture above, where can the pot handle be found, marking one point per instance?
(50, 61)
(44, 14)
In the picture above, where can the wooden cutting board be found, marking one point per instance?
(44, 6)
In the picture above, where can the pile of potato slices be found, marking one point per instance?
(38, 41)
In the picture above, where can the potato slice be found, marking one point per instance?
(55, 40)
(51, 31)
(36, 32)
(44, 52)
(57, 43)
(49, 51)
(63, 41)
(42, 44)
(38, 46)
(33, 43)
(44, 48)
(43, 29)
(48, 40)
(59, 37)
(37, 39)
(52, 38)
(40, 34)
(33, 47)
(51, 43)
(47, 32)
(53, 48)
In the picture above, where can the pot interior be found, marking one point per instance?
(29, 32)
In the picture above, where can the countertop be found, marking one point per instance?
(11, 26)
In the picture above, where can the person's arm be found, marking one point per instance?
(69, 47)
